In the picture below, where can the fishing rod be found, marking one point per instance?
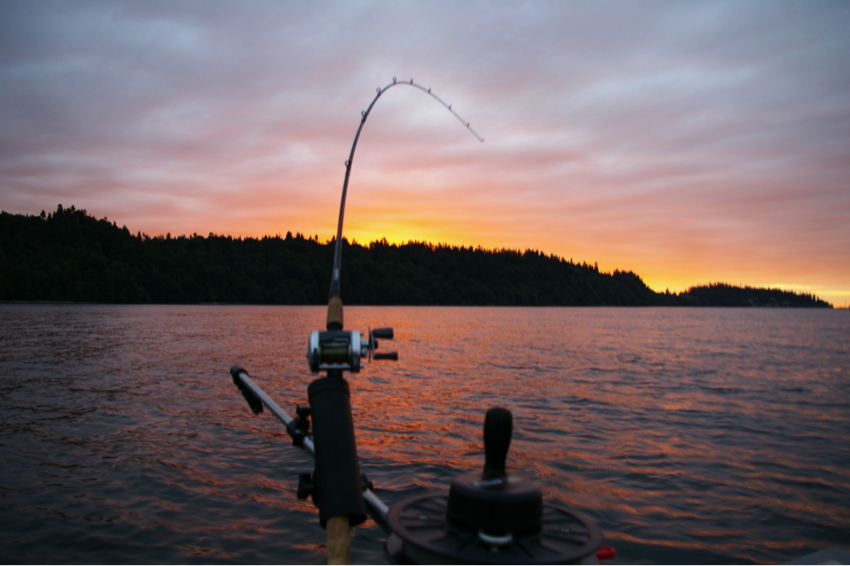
(364, 116)
(487, 517)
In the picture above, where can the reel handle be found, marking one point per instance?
(498, 428)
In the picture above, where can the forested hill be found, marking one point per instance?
(68, 255)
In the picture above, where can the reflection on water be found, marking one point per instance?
(689, 435)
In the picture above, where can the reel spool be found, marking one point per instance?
(489, 517)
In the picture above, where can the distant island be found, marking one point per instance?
(68, 255)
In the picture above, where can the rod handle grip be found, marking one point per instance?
(339, 543)
(334, 314)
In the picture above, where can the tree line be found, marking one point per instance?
(68, 255)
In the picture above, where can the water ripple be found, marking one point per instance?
(707, 435)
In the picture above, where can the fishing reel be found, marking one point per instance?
(490, 517)
(342, 350)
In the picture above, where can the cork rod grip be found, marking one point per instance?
(334, 314)
(339, 545)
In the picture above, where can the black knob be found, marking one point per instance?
(306, 487)
(498, 427)
(386, 333)
(487, 501)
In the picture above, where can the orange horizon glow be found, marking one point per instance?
(430, 215)
(657, 277)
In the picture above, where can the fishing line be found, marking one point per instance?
(364, 115)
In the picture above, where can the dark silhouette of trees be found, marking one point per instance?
(723, 295)
(68, 255)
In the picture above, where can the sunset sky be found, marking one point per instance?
(689, 142)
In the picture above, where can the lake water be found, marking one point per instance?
(689, 435)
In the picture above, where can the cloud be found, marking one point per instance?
(695, 141)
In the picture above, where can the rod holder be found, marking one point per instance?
(336, 481)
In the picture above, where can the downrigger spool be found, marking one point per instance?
(490, 517)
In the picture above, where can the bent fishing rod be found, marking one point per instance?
(335, 306)
(487, 517)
